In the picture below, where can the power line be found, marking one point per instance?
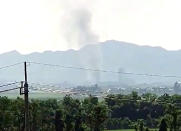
(105, 71)
(9, 84)
(8, 66)
(9, 89)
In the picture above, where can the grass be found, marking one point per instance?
(14, 95)
(38, 95)
(122, 130)
(128, 130)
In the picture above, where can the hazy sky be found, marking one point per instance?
(38, 25)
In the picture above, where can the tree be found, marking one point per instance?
(141, 125)
(163, 125)
(147, 129)
(96, 113)
(136, 128)
(173, 111)
(59, 124)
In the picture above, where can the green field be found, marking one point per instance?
(39, 95)
(127, 130)
(47, 95)
(122, 130)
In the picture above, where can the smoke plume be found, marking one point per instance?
(76, 28)
(77, 32)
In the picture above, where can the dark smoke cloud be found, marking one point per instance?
(76, 28)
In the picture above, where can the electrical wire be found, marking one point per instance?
(9, 89)
(106, 71)
(9, 84)
(8, 66)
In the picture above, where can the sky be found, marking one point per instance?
(38, 25)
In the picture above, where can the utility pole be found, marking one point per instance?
(26, 99)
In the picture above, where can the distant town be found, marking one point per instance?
(103, 90)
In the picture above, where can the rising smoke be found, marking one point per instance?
(77, 32)
(77, 28)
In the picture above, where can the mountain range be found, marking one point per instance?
(112, 56)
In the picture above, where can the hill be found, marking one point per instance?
(109, 55)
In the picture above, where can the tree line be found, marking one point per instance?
(132, 111)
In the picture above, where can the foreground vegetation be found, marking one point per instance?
(140, 113)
